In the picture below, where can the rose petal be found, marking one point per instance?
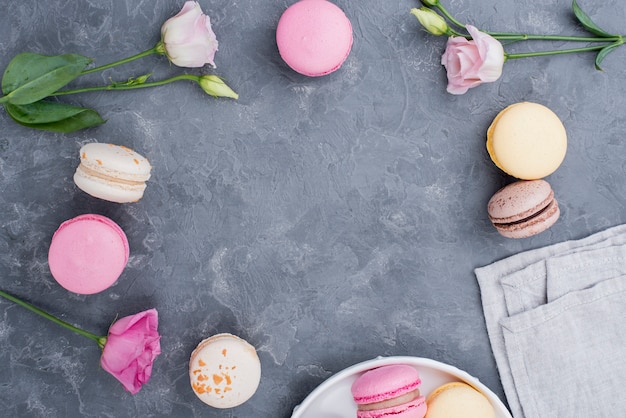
(188, 38)
(132, 346)
(471, 62)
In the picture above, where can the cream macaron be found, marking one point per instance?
(224, 371)
(527, 140)
(112, 172)
(458, 399)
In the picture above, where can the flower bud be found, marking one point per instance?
(430, 3)
(215, 86)
(431, 21)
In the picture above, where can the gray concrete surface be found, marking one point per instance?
(326, 220)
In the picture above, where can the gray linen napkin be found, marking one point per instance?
(556, 323)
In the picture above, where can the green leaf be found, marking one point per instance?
(604, 52)
(53, 116)
(30, 77)
(587, 22)
(43, 111)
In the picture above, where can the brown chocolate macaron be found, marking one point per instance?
(523, 209)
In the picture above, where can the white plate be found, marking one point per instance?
(333, 399)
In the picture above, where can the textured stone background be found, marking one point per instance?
(325, 220)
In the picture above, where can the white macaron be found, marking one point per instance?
(112, 172)
(224, 370)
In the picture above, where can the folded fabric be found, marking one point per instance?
(555, 318)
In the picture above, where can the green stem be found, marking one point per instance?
(100, 340)
(554, 52)
(456, 33)
(123, 86)
(150, 51)
(509, 36)
(526, 37)
(513, 37)
(449, 16)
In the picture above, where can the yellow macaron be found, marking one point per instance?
(527, 140)
(457, 399)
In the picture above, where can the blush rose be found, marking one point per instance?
(130, 349)
(470, 63)
(188, 39)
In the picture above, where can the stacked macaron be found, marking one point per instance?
(389, 391)
(523, 209)
(112, 172)
(527, 141)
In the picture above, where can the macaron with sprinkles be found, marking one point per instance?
(112, 172)
(224, 371)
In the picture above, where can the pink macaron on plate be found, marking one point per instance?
(333, 399)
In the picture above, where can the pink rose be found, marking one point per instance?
(188, 39)
(130, 349)
(472, 62)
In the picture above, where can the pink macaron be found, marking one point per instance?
(88, 254)
(314, 37)
(523, 209)
(390, 391)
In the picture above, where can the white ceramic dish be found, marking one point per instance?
(333, 399)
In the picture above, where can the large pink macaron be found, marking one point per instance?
(314, 37)
(390, 391)
(88, 254)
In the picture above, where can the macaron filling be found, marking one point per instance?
(390, 403)
(82, 170)
(538, 214)
(413, 409)
(388, 394)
